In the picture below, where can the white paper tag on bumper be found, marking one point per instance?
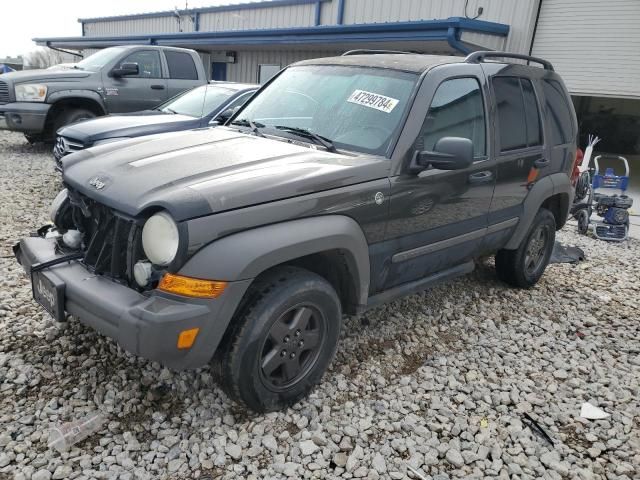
(373, 100)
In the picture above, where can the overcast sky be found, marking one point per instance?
(22, 20)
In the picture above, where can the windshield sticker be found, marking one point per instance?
(373, 100)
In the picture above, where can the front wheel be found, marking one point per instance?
(524, 266)
(281, 341)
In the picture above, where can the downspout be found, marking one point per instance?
(318, 12)
(453, 39)
(196, 21)
(535, 28)
(340, 12)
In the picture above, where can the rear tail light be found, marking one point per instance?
(575, 171)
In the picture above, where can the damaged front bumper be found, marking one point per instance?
(146, 324)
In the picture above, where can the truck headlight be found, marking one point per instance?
(31, 92)
(160, 239)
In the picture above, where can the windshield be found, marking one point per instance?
(355, 108)
(198, 102)
(99, 59)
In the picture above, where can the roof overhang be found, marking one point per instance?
(447, 30)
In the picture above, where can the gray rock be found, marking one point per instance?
(42, 474)
(454, 457)
(379, 464)
(308, 447)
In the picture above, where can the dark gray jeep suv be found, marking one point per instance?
(345, 182)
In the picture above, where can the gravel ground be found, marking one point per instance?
(436, 383)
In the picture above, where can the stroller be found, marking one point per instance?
(612, 210)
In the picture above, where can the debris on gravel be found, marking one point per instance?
(435, 384)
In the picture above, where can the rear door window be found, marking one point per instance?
(518, 113)
(181, 66)
(558, 112)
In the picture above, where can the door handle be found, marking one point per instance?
(157, 87)
(481, 177)
(541, 162)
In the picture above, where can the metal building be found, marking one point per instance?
(594, 45)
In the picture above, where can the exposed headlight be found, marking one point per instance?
(109, 140)
(57, 203)
(160, 239)
(31, 92)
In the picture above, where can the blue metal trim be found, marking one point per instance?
(82, 29)
(196, 21)
(453, 39)
(448, 30)
(318, 13)
(340, 18)
(220, 8)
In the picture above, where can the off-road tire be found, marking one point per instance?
(515, 266)
(282, 294)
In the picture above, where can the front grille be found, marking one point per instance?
(4, 92)
(64, 146)
(111, 242)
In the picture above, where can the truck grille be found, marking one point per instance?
(4, 92)
(112, 243)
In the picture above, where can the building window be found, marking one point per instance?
(266, 72)
(181, 66)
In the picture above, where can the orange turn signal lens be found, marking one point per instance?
(187, 338)
(191, 287)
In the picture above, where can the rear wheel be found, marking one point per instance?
(281, 341)
(524, 266)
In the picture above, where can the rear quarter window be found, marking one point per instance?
(558, 112)
(181, 66)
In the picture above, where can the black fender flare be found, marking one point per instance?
(55, 97)
(557, 183)
(245, 255)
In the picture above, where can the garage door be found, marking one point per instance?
(593, 44)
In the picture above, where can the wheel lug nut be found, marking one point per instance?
(293, 355)
(286, 339)
(297, 333)
(283, 353)
(301, 343)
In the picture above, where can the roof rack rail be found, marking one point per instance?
(477, 57)
(366, 51)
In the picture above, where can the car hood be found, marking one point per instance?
(204, 171)
(44, 75)
(127, 125)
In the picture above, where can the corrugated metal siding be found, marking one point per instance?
(247, 19)
(246, 67)
(518, 14)
(140, 26)
(594, 45)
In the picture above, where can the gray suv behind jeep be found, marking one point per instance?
(344, 183)
(114, 80)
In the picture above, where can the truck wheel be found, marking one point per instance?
(68, 116)
(281, 340)
(524, 266)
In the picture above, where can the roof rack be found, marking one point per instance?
(365, 51)
(477, 57)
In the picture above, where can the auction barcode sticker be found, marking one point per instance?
(373, 100)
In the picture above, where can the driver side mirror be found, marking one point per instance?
(126, 69)
(449, 153)
(224, 116)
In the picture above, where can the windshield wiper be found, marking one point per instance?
(303, 132)
(255, 127)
